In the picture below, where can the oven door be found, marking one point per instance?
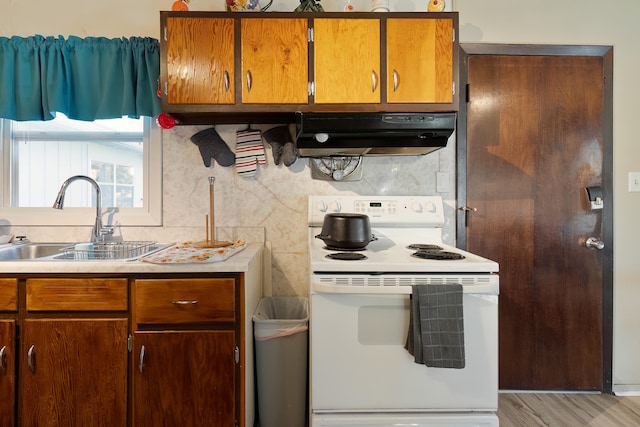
(359, 363)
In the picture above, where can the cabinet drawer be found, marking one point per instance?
(8, 294)
(167, 301)
(76, 294)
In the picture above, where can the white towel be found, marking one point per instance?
(249, 152)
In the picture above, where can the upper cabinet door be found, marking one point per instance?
(347, 61)
(419, 60)
(200, 60)
(275, 61)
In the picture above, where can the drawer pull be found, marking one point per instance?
(3, 359)
(185, 302)
(141, 363)
(31, 358)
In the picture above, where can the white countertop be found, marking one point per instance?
(240, 262)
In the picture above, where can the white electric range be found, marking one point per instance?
(360, 372)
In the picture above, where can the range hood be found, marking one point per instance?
(372, 134)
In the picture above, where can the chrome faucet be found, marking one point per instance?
(98, 232)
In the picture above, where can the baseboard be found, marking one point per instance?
(627, 390)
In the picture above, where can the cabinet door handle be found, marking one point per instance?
(374, 80)
(141, 363)
(3, 359)
(31, 358)
(249, 81)
(184, 302)
(226, 81)
(395, 80)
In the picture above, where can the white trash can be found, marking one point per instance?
(281, 333)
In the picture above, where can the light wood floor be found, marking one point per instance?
(567, 410)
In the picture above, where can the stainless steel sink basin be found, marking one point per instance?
(111, 251)
(25, 251)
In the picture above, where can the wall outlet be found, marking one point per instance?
(634, 182)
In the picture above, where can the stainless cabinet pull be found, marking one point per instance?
(374, 80)
(226, 81)
(3, 359)
(184, 302)
(31, 358)
(249, 81)
(395, 80)
(141, 363)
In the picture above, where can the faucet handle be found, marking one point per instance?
(105, 231)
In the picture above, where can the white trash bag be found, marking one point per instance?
(276, 317)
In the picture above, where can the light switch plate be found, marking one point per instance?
(634, 182)
(442, 182)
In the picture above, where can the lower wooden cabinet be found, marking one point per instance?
(74, 372)
(7, 372)
(127, 351)
(186, 352)
(184, 378)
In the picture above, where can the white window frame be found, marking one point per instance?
(148, 215)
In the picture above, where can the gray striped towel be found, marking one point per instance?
(436, 326)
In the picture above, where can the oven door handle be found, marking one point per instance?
(325, 288)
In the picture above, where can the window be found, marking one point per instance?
(122, 155)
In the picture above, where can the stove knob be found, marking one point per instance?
(321, 206)
(335, 206)
(416, 207)
(430, 207)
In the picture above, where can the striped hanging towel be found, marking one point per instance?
(249, 152)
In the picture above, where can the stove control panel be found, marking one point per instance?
(381, 210)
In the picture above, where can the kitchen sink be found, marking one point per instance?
(109, 251)
(24, 251)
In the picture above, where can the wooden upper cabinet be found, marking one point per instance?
(200, 60)
(347, 60)
(275, 61)
(220, 67)
(419, 60)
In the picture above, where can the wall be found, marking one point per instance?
(276, 200)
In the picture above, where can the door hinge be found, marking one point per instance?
(453, 35)
(311, 89)
(453, 88)
(310, 35)
(164, 33)
(129, 343)
(236, 354)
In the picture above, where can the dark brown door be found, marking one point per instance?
(537, 134)
(7, 372)
(184, 378)
(74, 372)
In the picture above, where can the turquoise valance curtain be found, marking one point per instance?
(84, 78)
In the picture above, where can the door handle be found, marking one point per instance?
(467, 210)
(594, 243)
